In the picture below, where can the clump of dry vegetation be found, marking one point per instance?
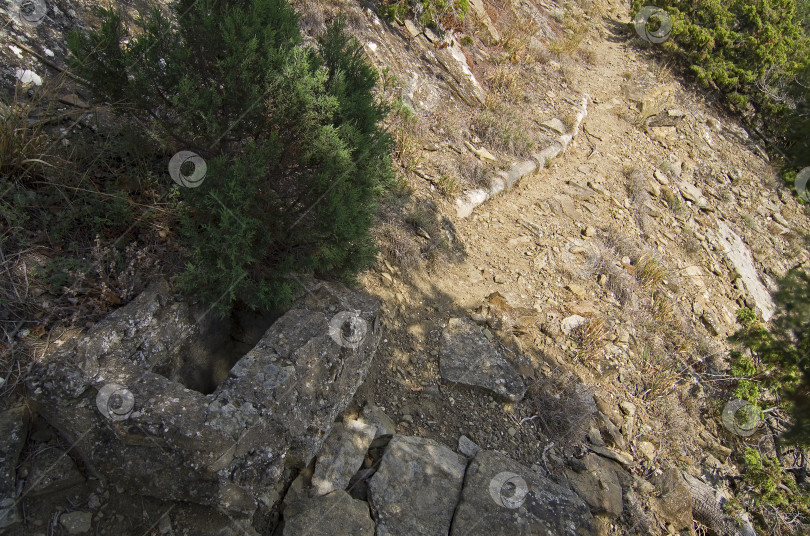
(590, 338)
(563, 406)
(505, 128)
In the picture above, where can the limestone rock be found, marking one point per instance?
(739, 256)
(692, 193)
(376, 417)
(76, 522)
(487, 31)
(467, 357)
(555, 125)
(674, 505)
(341, 455)
(416, 488)
(622, 457)
(467, 203)
(462, 80)
(503, 497)
(598, 485)
(232, 449)
(413, 31)
(335, 514)
(570, 323)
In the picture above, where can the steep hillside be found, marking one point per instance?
(574, 228)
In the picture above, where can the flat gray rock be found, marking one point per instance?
(416, 488)
(341, 455)
(335, 514)
(502, 498)
(739, 256)
(467, 357)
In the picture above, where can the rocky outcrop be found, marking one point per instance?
(236, 448)
(501, 496)
(708, 508)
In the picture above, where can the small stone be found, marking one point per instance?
(555, 125)
(690, 192)
(628, 408)
(661, 177)
(511, 431)
(484, 154)
(615, 455)
(411, 27)
(467, 446)
(647, 449)
(408, 418)
(28, 77)
(626, 261)
(432, 37)
(778, 218)
(571, 323)
(76, 522)
(576, 290)
(590, 231)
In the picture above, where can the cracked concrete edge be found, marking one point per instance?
(502, 180)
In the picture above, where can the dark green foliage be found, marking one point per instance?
(774, 486)
(781, 356)
(757, 54)
(296, 157)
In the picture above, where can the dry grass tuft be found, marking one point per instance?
(660, 373)
(563, 406)
(505, 128)
(651, 271)
(505, 81)
(590, 338)
(399, 245)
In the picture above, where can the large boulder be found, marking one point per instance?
(416, 488)
(503, 497)
(236, 448)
